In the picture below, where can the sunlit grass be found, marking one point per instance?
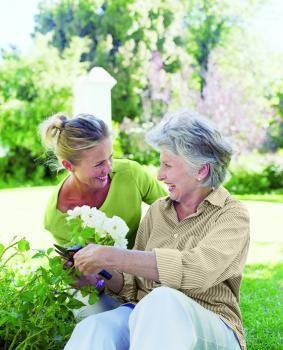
(267, 197)
(262, 305)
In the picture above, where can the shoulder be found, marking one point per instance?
(125, 164)
(232, 208)
(234, 204)
(128, 167)
(160, 206)
(53, 199)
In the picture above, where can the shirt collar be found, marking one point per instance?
(217, 198)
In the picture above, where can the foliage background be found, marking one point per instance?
(165, 55)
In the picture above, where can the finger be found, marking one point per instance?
(68, 264)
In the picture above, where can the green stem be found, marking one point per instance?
(7, 260)
(9, 246)
(14, 339)
(28, 338)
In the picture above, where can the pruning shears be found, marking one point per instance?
(68, 253)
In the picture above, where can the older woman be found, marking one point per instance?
(180, 284)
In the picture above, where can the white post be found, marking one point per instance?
(93, 94)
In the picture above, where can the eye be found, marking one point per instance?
(98, 165)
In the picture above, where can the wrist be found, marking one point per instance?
(112, 257)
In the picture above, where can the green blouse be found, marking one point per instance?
(130, 185)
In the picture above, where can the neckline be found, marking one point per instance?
(102, 207)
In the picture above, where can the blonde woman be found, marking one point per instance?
(83, 146)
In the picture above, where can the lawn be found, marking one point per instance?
(262, 306)
(261, 292)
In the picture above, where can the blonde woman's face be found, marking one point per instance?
(95, 165)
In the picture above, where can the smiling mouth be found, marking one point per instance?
(170, 187)
(102, 178)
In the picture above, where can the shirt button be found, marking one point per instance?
(175, 235)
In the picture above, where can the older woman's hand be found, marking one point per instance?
(92, 259)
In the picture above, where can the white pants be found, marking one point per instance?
(105, 303)
(165, 319)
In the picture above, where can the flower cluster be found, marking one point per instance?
(93, 225)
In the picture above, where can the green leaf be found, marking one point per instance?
(27, 296)
(39, 254)
(23, 245)
(49, 251)
(75, 304)
(93, 298)
(1, 248)
(81, 240)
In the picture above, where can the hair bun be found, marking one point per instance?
(59, 121)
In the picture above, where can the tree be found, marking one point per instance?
(32, 88)
(209, 24)
(123, 36)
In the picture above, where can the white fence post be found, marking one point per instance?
(92, 94)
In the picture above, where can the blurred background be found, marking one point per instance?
(222, 58)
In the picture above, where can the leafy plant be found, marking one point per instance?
(36, 298)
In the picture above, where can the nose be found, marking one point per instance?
(160, 175)
(107, 168)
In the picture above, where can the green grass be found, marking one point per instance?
(267, 197)
(262, 306)
(261, 293)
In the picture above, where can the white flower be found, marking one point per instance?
(86, 216)
(98, 219)
(73, 213)
(116, 227)
(121, 243)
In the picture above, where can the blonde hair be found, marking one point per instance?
(68, 137)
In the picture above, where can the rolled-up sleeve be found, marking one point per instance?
(170, 267)
(217, 257)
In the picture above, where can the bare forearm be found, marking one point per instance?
(93, 258)
(134, 262)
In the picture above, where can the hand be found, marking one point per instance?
(92, 259)
(90, 280)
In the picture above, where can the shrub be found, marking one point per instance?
(132, 142)
(256, 174)
(35, 299)
(33, 87)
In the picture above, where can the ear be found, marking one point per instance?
(203, 172)
(67, 165)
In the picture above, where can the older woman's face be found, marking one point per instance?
(95, 165)
(176, 174)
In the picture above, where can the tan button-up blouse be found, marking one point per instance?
(202, 256)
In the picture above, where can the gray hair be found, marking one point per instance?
(196, 140)
(68, 137)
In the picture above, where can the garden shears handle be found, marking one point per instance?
(68, 253)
